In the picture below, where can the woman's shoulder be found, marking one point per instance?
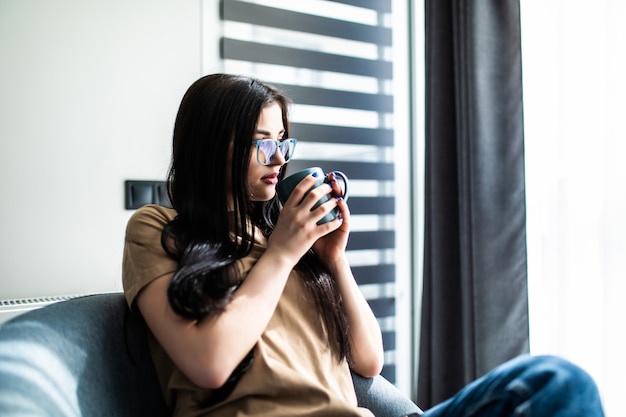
(150, 216)
(144, 258)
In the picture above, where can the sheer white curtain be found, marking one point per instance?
(574, 63)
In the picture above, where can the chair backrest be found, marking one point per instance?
(89, 357)
(81, 358)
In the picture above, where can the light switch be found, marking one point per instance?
(139, 193)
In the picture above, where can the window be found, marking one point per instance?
(345, 66)
(574, 91)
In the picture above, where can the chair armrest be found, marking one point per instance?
(382, 398)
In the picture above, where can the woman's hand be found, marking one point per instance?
(296, 230)
(331, 248)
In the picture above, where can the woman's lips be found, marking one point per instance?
(271, 179)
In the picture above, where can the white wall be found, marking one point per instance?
(88, 94)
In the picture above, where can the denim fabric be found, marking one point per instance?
(542, 386)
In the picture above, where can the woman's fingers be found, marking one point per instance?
(337, 191)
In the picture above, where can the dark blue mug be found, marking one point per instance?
(284, 188)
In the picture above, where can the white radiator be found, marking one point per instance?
(15, 307)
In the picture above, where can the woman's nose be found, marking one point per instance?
(278, 158)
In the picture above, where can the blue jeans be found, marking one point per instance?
(542, 386)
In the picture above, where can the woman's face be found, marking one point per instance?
(262, 179)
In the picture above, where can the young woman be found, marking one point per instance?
(252, 307)
(251, 312)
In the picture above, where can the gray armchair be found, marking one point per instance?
(89, 357)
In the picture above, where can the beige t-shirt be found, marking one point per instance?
(294, 372)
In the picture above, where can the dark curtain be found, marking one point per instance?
(475, 308)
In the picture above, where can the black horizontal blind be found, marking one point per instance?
(337, 69)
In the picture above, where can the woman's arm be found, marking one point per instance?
(365, 335)
(207, 351)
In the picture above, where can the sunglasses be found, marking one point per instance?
(266, 149)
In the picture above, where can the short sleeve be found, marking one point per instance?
(144, 258)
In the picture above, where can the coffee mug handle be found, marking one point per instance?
(345, 183)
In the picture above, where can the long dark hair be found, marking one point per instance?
(216, 111)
